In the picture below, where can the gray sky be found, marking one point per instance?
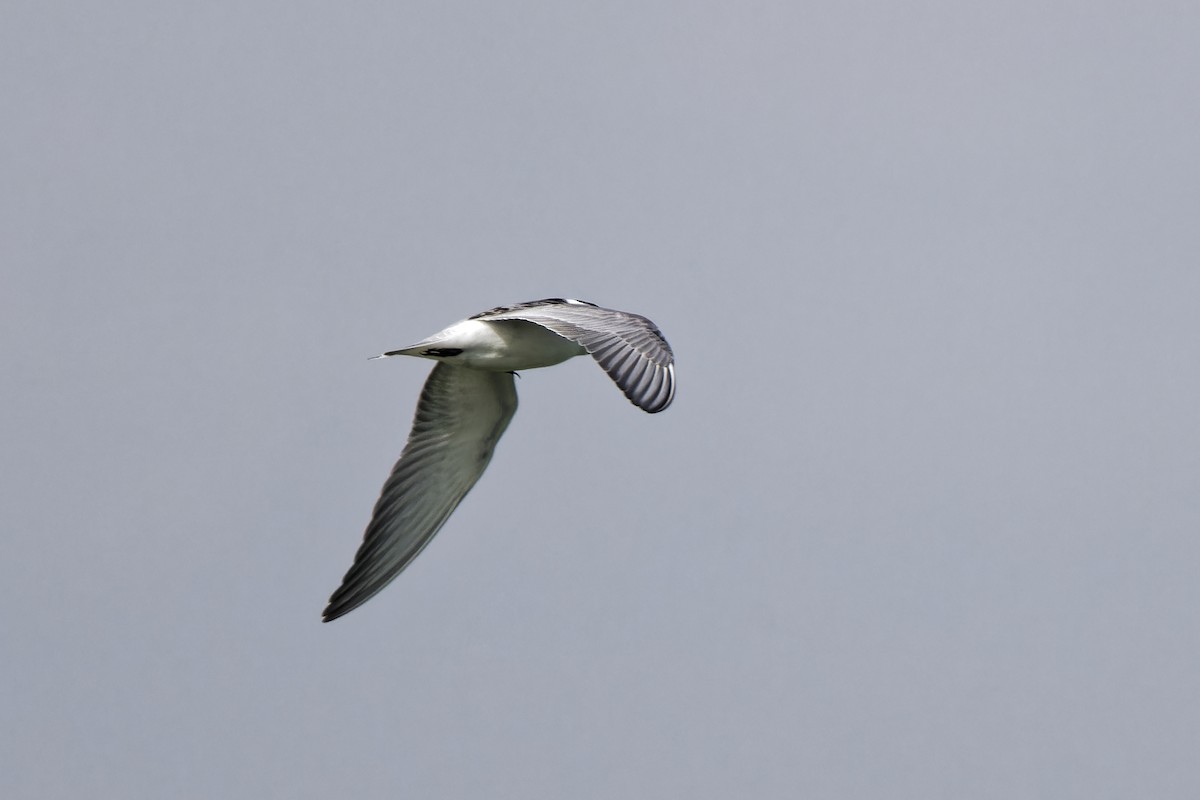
(921, 523)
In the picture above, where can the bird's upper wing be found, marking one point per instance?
(629, 347)
(460, 417)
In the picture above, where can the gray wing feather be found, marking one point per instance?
(461, 415)
(630, 348)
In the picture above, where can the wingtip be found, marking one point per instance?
(337, 606)
(341, 603)
(660, 397)
(330, 613)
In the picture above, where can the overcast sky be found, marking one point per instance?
(923, 521)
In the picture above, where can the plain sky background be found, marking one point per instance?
(922, 523)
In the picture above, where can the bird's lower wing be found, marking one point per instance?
(460, 417)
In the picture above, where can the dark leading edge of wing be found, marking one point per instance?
(629, 347)
(460, 417)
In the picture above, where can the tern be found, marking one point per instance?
(467, 402)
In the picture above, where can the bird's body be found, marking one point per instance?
(467, 403)
(500, 346)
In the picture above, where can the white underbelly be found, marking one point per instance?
(506, 345)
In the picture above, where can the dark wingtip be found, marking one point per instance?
(330, 613)
(338, 606)
(342, 603)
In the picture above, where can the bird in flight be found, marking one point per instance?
(466, 404)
